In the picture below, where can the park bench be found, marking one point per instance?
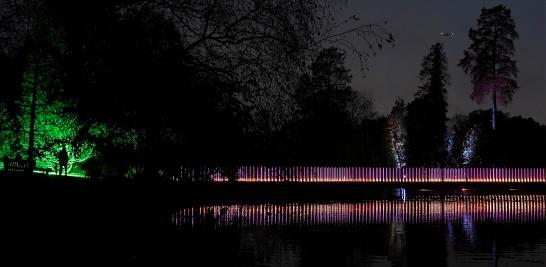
(22, 166)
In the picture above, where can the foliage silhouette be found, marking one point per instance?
(489, 58)
(427, 113)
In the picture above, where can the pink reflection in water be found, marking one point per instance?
(458, 209)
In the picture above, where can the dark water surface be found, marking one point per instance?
(412, 229)
(405, 228)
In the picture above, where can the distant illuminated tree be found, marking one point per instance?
(456, 138)
(469, 146)
(450, 147)
(397, 132)
(489, 58)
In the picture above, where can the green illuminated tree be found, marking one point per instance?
(7, 137)
(178, 81)
(45, 124)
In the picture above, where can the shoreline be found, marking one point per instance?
(51, 188)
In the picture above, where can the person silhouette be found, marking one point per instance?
(63, 161)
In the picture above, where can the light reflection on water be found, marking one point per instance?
(430, 209)
(450, 230)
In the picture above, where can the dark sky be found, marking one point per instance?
(416, 26)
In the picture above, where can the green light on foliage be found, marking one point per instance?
(54, 127)
(121, 137)
(7, 138)
(71, 174)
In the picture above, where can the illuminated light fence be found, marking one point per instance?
(455, 209)
(373, 174)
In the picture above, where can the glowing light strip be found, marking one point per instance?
(304, 174)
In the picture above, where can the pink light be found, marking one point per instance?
(378, 174)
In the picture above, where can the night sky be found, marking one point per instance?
(416, 25)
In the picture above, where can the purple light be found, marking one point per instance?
(472, 208)
(381, 174)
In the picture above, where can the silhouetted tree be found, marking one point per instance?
(473, 144)
(265, 46)
(197, 82)
(426, 119)
(375, 143)
(489, 58)
(361, 108)
(324, 98)
(523, 141)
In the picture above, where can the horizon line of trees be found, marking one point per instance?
(139, 88)
(418, 130)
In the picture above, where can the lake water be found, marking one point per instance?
(402, 228)
(410, 229)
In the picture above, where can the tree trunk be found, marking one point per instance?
(494, 110)
(31, 134)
